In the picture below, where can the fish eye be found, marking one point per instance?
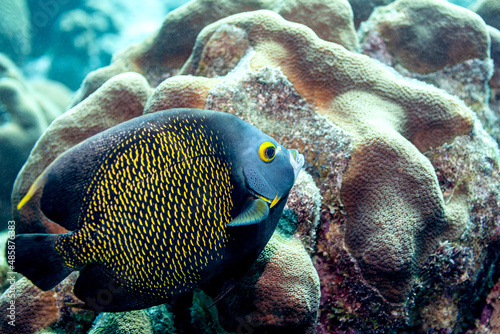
(267, 151)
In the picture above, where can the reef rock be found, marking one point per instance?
(26, 109)
(424, 36)
(399, 212)
(163, 54)
(441, 44)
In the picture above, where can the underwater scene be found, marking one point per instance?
(250, 166)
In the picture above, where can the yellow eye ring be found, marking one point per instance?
(267, 151)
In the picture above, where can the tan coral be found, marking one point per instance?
(392, 121)
(283, 291)
(37, 310)
(34, 309)
(285, 288)
(162, 55)
(424, 36)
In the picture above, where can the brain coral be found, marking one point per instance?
(161, 56)
(403, 168)
(391, 120)
(424, 36)
(281, 292)
(450, 51)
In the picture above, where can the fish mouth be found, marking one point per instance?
(272, 202)
(297, 161)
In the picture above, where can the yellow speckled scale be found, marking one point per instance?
(151, 170)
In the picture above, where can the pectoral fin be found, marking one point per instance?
(257, 211)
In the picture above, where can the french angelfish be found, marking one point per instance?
(158, 206)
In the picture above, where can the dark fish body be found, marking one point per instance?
(158, 206)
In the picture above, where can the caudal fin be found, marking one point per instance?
(37, 259)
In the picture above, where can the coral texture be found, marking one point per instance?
(424, 36)
(132, 322)
(36, 309)
(279, 294)
(161, 56)
(153, 320)
(32, 303)
(462, 74)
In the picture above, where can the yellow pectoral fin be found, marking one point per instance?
(254, 213)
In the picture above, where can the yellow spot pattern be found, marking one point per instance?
(155, 212)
